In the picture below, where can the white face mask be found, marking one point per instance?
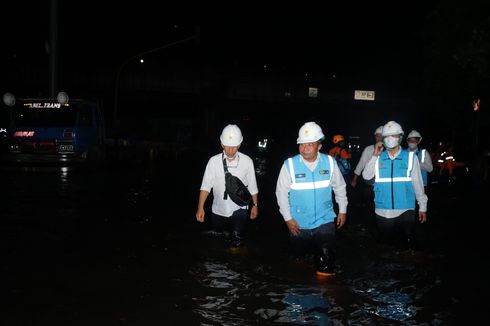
(390, 142)
(412, 146)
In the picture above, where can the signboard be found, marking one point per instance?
(312, 92)
(362, 95)
(43, 105)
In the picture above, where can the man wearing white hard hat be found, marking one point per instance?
(397, 185)
(413, 141)
(366, 155)
(304, 195)
(227, 216)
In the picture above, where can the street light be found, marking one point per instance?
(196, 36)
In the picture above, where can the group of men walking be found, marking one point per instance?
(311, 190)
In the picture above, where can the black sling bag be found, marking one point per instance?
(235, 188)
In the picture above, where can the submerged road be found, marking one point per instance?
(119, 245)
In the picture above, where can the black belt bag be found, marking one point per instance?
(235, 189)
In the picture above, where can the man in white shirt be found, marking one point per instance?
(304, 195)
(227, 216)
(397, 185)
(366, 155)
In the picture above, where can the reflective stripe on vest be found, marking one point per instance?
(422, 156)
(377, 178)
(309, 185)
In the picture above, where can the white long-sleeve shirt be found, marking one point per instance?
(284, 185)
(367, 153)
(214, 178)
(418, 186)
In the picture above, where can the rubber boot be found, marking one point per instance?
(325, 262)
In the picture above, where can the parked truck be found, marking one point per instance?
(54, 130)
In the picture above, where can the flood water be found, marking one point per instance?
(119, 245)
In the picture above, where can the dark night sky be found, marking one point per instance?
(368, 45)
(342, 38)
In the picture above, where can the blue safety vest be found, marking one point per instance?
(393, 187)
(310, 196)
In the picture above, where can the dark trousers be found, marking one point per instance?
(320, 241)
(398, 231)
(233, 226)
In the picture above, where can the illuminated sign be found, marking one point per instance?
(24, 134)
(364, 95)
(43, 105)
(312, 92)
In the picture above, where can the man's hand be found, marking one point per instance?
(293, 227)
(254, 211)
(378, 148)
(422, 217)
(353, 182)
(200, 215)
(341, 220)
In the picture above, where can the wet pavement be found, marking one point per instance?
(119, 245)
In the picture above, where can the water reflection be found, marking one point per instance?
(64, 174)
(231, 296)
(394, 288)
(306, 306)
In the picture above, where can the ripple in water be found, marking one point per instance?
(233, 298)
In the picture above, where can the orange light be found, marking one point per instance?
(476, 105)
(324, 274)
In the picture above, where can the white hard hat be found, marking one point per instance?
(379, 130)
(414, 134)
(392, 128)
(231, 136)
(310, 132)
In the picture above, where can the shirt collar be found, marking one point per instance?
(237, 157)
(396, 154)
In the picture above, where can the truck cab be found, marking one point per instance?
(45, 130)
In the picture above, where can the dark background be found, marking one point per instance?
(427, 63)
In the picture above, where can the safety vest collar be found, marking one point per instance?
(309, 185)
(408, 177)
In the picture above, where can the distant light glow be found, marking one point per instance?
(262, 143)
(476, 105)
(142, 61)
